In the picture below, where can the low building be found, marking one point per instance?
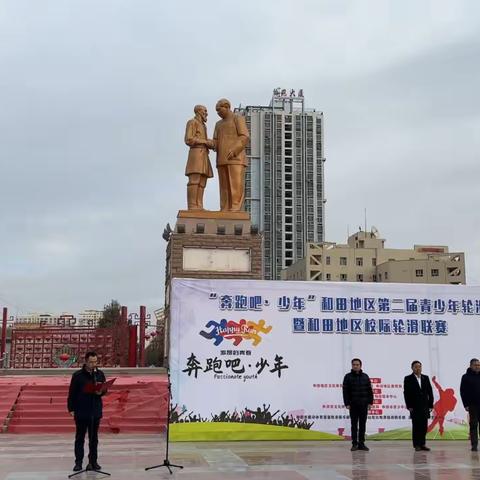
(37, 320)
(89, 318)
(364, 258)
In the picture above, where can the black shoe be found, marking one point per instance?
(77, 467)
(424, 448)
(354, 448)
(364, 448)
(474, 448)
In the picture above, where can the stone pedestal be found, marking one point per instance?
(209, 244)
(213, 223)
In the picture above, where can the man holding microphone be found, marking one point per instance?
(85, 405)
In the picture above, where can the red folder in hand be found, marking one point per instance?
(98, 387)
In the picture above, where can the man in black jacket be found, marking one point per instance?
(86, 408)
(470, 393)
(418, 394)
(358, 398)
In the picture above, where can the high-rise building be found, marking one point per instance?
(284, 186)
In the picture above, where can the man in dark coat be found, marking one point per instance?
(470, 393)
(86, 408)
(358, 398)
(418, 394)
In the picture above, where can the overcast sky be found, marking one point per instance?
(94, 97)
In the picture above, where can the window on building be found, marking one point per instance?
(374, 262)
(343, 260)
(374, 278)
(360, 277)
(386, 276)
(361, 244)
(327, 260)
(343, 277)
(435, 272)
(379, 277)
(328, 276)
(419, 272)
(359, 261)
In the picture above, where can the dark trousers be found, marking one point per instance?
(419, 427)
(83, 425)
(473, 413)
(358, 418)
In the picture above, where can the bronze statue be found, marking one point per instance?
(198, 168)
(230, 139)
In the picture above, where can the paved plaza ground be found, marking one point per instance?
(50, 457)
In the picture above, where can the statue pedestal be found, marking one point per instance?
(213, 223)
(207, 244)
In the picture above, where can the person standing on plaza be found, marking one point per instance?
(358, 398)
(86, 407)
(470, 393)
(418, 394)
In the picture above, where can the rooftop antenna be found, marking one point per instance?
(365, 221)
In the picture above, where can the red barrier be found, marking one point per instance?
(134, 405)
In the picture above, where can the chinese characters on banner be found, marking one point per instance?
(280, 349)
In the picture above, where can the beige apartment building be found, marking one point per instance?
(365, 259)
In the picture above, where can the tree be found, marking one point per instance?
(112, 314)
(154, 353)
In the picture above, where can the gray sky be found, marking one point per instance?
(94, 97)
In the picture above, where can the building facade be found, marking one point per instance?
(87, 318)
(365, 259)
(284, 187)
(90, 318)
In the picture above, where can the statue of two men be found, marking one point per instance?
(229, 141)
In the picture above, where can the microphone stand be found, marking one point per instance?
(92, 427)
(166, 463)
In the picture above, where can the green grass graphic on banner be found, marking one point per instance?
(457, 433)
(216, 431)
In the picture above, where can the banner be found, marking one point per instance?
(266, 359)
